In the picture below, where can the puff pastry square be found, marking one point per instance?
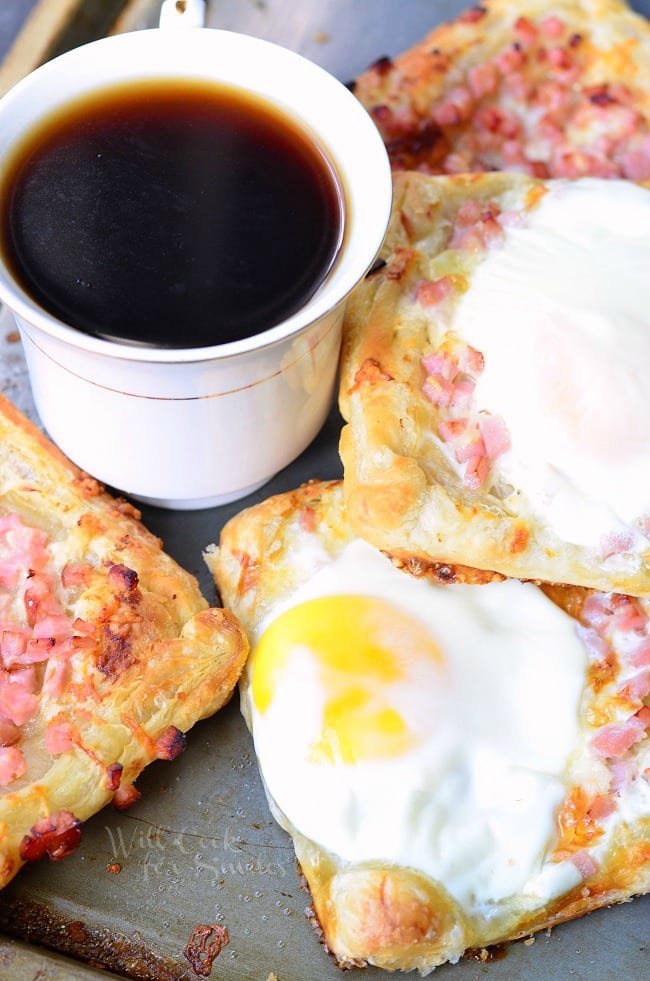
(108, 651)
(415, 851)
(493, 384)
(552, 90)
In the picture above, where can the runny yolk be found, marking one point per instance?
(362, 646)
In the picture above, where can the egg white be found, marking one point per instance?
(471, 800)
(559, 311)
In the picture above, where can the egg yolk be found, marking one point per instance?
(362, 646)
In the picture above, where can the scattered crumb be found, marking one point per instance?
(529, 941)
(114, 868)
(272, 977)
(322, 37)
(12, 337)
(204, 946)
(483, 955)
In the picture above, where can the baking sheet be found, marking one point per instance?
(200, 846)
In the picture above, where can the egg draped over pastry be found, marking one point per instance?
(494, 380)
(408, 723)
(560, 312)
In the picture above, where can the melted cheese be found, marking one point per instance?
(399, 721)
(561, 313)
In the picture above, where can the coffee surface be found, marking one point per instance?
(170, 213)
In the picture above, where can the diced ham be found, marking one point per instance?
(494, 434)
(456, 108)
(471, 361)
(637, 688)
(463, 392)
(170, 743)
(628, 614)
(469, 446)
(620, 771)
(56, 677)
(597, 610)
(67, 647)
(510, 60)
(22, 548)
(440, 365)
(16, 703)
(76, 574)
(8, 521)
(9, 732)
(438, 391)
(83, 627)
(483, 80)
(56, 627)
(25, 677)
(39, 599)
(585, 863)
(615, 740)
(553, 27)
(615, 543)
(480, 235)
(513, 153)
(518, 85)
(59, 737)
(56, 836)
(560, 58)
(114, 776)
(431, 292)
(597, 647)
(447, 114)
(13, 644)
(125, 796)
(468, 213)
(11, 570)
(643, 715)
(38, 649)
(635, 165)
(12, 764)
(476, 472)
(450, 384)
(601, 806)
(455, 163)
(525, 31)
(640, 656)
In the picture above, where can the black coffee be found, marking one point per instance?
(174, 213)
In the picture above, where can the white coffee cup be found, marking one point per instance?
(197, 427)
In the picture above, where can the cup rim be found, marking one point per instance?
(341, 278)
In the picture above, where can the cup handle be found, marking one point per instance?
(182, 13)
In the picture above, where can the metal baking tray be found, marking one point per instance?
(200, 846)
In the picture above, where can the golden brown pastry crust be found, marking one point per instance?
(373, 913)
(495, 89)
(401, 493)
(161, 660)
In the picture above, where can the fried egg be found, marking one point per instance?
(420, 725)
(559, 311)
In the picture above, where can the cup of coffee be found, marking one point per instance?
(182, 217)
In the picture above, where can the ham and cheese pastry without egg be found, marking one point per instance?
(430, 809)
(108, 651)
(557, 89)
(494, 380)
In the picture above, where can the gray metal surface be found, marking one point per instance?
(200, 846)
